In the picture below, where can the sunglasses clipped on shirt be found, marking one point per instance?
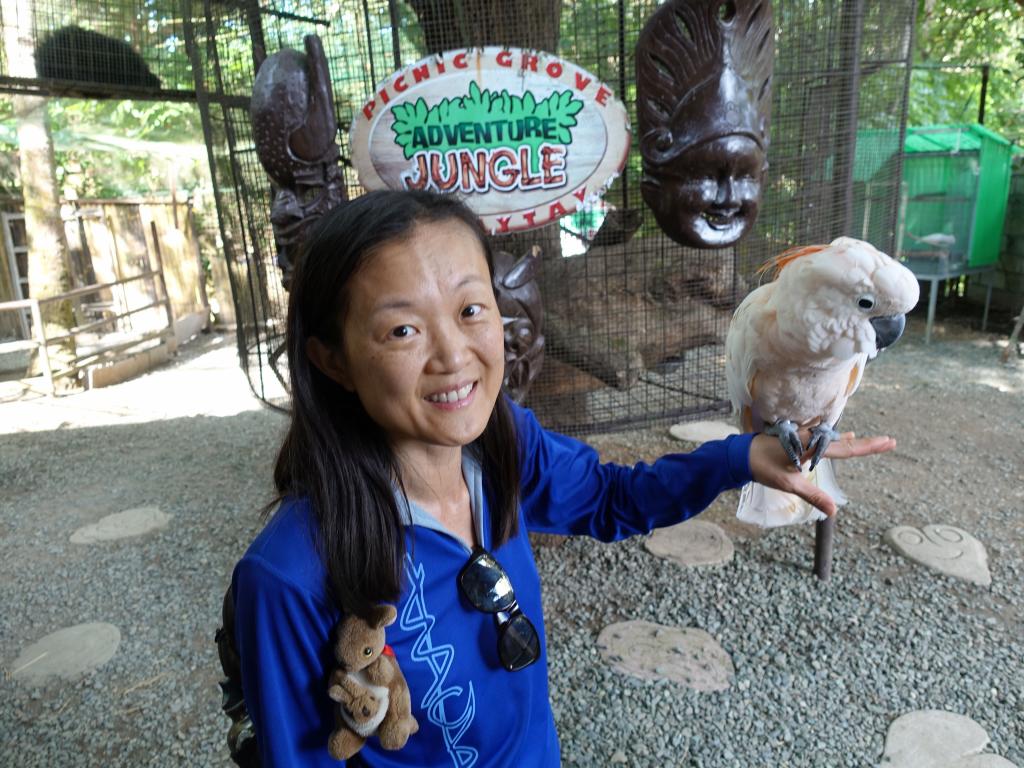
(485, 584)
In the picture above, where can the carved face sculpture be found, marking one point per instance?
(704, 71)
(315, 190)
(295, 132)
(519, 302)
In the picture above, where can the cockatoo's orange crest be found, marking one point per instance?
(779, 262)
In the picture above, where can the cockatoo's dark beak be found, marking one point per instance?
(888, 329)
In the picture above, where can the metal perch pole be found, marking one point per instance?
(1011, 347)
(823, 532)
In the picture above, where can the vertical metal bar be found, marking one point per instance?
(369, 43)
(396, 43)
(247, 237)
(44, 354)
(866, 219)
(988, 301)
(203, 101)
(824, 532)
(243, 218)
(254, 21)
(238, 181)
(985, 69)
(622, 88)
(850, 43)
(933, 296)
(899, 210)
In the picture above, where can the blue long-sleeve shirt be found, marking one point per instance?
(471, 711)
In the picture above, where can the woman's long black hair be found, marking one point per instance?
(333, 453)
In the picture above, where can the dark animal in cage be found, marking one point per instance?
(704, 71)
(81, 55)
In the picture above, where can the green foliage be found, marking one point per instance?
(484, 107)
(973, 33)
(144, 120)
(115, 148)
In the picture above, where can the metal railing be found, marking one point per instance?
(40, 342)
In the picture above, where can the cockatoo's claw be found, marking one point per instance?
(821, 437)
(786, 431)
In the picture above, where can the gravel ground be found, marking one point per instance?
(821, 669)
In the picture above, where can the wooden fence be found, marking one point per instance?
(100, 333)
(136, 275)
(111, 241)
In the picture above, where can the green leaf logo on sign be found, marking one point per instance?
(485, 120)
(523, 136)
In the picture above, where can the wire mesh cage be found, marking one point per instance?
(956, 182)
(634, 327)
(634, 322)
(91, 48)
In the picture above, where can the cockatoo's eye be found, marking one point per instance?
(866, 302)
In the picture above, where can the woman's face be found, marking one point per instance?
(422, 339)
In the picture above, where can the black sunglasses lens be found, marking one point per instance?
(518, 644)
(485, 585)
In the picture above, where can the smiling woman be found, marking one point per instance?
(396, 311)
(422, 347)
(407, 477)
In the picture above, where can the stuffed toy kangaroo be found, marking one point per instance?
(368, 686)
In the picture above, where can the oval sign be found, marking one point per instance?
(524, 137)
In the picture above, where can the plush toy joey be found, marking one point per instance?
(368, 686)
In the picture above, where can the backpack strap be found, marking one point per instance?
(241, 736)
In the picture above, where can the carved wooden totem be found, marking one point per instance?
(522, 316)
(295, 131)
(704, 70)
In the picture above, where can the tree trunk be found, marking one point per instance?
(532, 24)
(449, 24)
(47, 243)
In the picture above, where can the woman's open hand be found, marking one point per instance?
(771, 467)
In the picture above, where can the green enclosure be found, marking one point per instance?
(956, 180)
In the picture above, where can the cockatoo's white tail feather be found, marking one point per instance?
(824, 476)
(769, 508)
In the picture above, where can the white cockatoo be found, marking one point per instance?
(796, 351)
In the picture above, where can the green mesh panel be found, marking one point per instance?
(956, 181)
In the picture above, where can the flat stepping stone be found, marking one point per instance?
(122, 525)
(943, 548)
(67, 653)
(931, 738)
(689, 656)
(702, 431)
(692, 543)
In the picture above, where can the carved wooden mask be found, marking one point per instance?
(704, 70)
(295, 133)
